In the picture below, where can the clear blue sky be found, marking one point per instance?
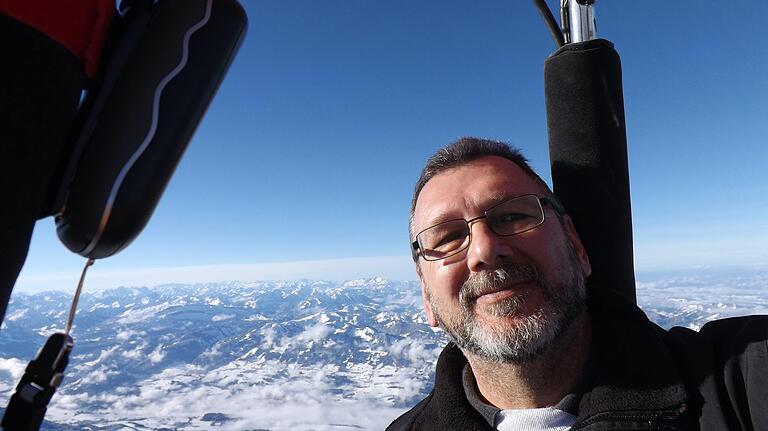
(312, 145)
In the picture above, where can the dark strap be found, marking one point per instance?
(43, 375)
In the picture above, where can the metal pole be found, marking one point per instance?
(578, 20)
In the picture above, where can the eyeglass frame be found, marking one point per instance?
(551, 200)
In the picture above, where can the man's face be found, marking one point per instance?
(503, 298)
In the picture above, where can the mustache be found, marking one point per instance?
(500, 278)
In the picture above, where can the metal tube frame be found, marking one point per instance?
(578, 22)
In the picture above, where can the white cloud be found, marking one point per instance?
(137, 353)
(414, 350)
(106, 353)
(269, 336)
(138, 315)
(98, 374)
(127, 334)
(157, 355)
(315, 333)
(11, 370)
(272, 391)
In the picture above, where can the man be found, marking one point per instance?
(534, 345)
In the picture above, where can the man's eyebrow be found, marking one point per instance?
(439, 215)
(499, 197)
(446, 214)
(439, 218)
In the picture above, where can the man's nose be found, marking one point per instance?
(486, 248)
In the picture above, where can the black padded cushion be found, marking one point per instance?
(588, 153)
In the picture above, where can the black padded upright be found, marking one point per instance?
(588, 153)
(158, 83)
(40, 86)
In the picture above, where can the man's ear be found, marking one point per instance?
(578, 247)
(427, 307)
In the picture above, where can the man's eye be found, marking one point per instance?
(512, 217)
(449, 238)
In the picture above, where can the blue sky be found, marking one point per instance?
(305, 161)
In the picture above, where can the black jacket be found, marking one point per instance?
(643, 377)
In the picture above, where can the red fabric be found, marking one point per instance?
(79, 25)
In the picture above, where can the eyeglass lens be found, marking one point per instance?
(508, 218)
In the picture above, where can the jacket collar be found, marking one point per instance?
(632, 372)
(448, 407)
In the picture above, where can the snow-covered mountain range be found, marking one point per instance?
(300, 355)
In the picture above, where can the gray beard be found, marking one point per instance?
(532, 334)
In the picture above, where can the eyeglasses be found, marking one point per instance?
(511, 217)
